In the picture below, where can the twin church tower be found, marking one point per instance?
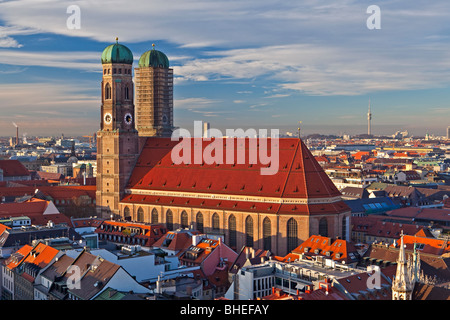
(124, 127)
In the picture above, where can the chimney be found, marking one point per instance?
(17, 135)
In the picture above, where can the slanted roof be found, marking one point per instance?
(38, 210)
(17, 257)
(338, 250)
(299, 176)
(430, 292)
(13, 168)
(177, 241)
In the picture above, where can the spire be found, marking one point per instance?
(402, 286)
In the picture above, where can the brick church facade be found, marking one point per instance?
(138, 180)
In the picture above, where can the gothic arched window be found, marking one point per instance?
(154, 215)
(199, 219)
(267, 234)
(126, 213)
(323, 227)
(184, 219)
(232, 231)
(127, 93)
(140, 215)
(215, 222)
(169, 220)
(292, 235)
(249, 231)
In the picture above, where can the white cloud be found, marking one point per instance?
(312, 47)
(194, 103)
(72, 60)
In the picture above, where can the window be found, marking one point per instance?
(127, 93)
(292, 239)
(323, 227)
(154, 215)
(126, 213)
(199, 219)
(108, 91)
(184, 220)
(215, 222)
(140, 215)
(249, 231)
(169, 220)
(232, 230)
(267, 234)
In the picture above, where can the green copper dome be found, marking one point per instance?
(117, 53)
(154, 58)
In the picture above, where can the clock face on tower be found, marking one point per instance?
(128, 118)
(108, 118)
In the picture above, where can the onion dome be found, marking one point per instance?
(154, 58)
(117, 53)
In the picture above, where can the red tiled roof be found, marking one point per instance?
(345, 249)
(180, 241)
(357, 284)
(34, 209)
(299, 175)
(13, 168)
(56, 192)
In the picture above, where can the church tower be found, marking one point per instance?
(117, 139)
(154, 95)
(403, 284)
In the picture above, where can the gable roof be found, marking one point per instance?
(177, 241)
(13, 168)
(39, 211)
(298, 176)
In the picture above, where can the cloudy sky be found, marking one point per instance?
(237, 63)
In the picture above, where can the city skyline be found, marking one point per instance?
(265, 64)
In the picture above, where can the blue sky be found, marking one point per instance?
(237, 64)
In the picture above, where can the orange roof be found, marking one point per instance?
(323, 245)
(360, 154)
(429, 245)
(41, 255)
(17, 257)
(3, 228)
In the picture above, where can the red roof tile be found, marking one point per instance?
(298, 176)
(13, 168)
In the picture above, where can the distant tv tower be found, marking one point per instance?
(369, 118)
